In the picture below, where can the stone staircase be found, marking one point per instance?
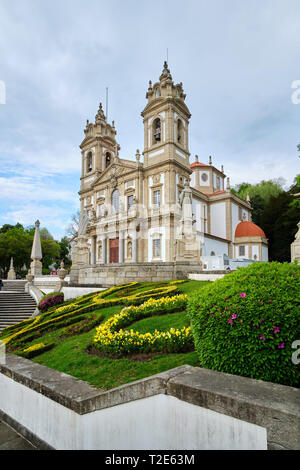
(15, 304)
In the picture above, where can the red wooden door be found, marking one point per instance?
(114, 250)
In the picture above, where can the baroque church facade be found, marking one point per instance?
(163, 217)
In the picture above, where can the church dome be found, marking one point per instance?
(248, 229)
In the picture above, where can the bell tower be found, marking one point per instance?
(98, 148)
(166, 121)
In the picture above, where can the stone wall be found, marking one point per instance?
(184, 408)
(112, 274)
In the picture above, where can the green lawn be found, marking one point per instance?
(70, 353)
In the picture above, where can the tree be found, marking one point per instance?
(260, 195)
(17, 242)
(279, 221)
(72, 229)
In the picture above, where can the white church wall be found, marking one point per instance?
(207, 182)
(218, 219)
(216, 246)
(255, 252)
(265, 254)
(196, 208)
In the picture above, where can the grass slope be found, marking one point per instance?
(70, 353)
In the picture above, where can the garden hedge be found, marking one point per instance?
(247, 322)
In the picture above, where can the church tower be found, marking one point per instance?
(98, 148)
(166, 121)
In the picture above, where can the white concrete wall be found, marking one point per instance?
(218, 219)
(158, 422)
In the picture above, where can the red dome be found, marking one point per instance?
(248, 229)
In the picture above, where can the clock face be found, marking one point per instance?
(204, 177)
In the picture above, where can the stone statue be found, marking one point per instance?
(185, 201)
(83, 223)
(129, 249)
(295, 247)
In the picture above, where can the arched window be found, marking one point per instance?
(156, 130)
(115, 200)
(89, 162)
(107, 160)
(157, 92)
(179, 132)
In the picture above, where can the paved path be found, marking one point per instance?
(10, 440)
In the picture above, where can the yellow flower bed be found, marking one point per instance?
(34, 347)
(111, 341)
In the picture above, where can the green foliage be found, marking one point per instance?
(36, 350)
(279, 222)
(72, 332)
(245, 323)
(16, 242)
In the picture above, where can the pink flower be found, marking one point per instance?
(233, 316)
(262, 337)
(276, 330)
(243, 294)
(281, 345)
(260, 301)
(270, 301)
(230, 320)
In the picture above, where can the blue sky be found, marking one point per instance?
(237, 61)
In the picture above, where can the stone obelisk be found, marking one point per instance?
(11, 273)
(36, 252)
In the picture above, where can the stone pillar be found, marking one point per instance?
(93, 250)
(121, 247)
(104, 249)
(11, 273)
(134, 248)
(36, 252)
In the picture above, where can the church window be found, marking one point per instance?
(212, 253)
(107, 160)
(156, 130)
(89, 162)
(240, 213)
(255, 257)
(115, 200)
(241, 250)
(179, 132)
(130, 201)
(156, 248)
(156, 198)
(157, 92)
(218, 182)
(204, 177)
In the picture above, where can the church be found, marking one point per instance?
(159, 216)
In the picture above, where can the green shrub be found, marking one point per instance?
(36, 350)
(245, 323)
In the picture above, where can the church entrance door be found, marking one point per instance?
(114, 250)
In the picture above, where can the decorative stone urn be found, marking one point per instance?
(62, 272)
